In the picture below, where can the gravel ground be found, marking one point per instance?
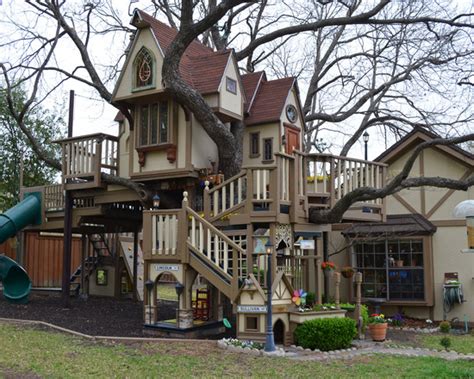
(95, 316)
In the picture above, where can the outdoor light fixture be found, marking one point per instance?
(365, 138)
(269, 339)
(156, 201)
(179, 288)
(465, 209)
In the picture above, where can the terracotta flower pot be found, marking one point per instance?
(378, 332)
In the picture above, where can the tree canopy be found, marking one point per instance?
(16, 154)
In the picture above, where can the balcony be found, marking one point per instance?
(330, 177)
(86, 158)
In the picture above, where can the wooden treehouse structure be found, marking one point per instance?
(207, 226)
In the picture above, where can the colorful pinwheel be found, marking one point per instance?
(299, 297)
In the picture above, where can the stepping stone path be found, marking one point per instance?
(363, 348)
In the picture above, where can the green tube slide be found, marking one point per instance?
(15, 280)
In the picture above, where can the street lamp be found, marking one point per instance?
(365, 138)
(269, 339)
(156, 202)
(179, 288)
(149, 287)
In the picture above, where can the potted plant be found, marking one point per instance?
(378, 327)
(347, 272)
(328, 267)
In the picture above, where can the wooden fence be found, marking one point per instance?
(43, 259)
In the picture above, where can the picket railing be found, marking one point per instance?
(85, 158)
(53, 197)
(336, 176)
(226, 197)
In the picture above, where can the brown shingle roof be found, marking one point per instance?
(403, 224)
(269, 102)
(250, 83)
(200, 66)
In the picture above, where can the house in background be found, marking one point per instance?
(407, 260)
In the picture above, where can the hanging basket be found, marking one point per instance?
(348, 273)
(328, 273)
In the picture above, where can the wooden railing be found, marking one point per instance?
(53, 197)
(213, 246)
(226, 197)
(164, 233)
(334, 176)
(85, 158)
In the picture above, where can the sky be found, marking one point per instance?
(92, 114)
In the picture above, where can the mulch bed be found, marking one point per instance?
(96, 316)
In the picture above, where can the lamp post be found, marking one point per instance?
(269, 339)
(365, 137)
(149, 287)
(156, 202)
(179, 288)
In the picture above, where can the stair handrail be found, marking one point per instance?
(212, 228)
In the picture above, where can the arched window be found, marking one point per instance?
(143, 68)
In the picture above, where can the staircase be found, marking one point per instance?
(102, 246)
(90, 264)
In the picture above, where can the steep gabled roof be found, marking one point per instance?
(270, 100)
(251, 83)
(200, 66)
(416, 136)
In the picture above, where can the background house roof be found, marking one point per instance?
(416, 136)
(402, 224)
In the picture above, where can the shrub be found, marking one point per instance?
(326, 334)
(444, 326)
(445, 342)
(364, 312)
(310, 299)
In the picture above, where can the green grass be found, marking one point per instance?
(52, 355)
(461, 344)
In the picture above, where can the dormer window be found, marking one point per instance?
(143, 69)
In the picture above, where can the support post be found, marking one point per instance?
(83, 265)
(135, 263)
(358, 310)
(326, 258)
(68, 221)
(337, 279)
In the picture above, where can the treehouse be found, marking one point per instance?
(207, 227)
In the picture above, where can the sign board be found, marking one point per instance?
(251, 308)
(307, 244)
(166, 267)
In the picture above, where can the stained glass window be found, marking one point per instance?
(143, 68)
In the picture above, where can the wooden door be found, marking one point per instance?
(292, 139)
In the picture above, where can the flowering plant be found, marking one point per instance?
(377, 318)
(327, 265)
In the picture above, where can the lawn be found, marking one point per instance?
(49, 354)
(461, 344)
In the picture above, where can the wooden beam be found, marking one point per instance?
(402, 201)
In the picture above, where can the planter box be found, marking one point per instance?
(300, 317)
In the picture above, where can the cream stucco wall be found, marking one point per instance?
(146, 39)
(204, 150)
(228, 100)
(107, 290)
(266, 131)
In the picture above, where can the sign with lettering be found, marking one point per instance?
(167, 267)
(251, 308)
(307, 244)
